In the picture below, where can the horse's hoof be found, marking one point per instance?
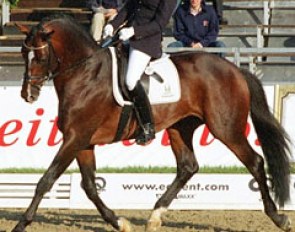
(286, 224)
(18, 228)
(153, 225)
(124, 225)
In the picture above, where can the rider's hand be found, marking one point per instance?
(110, 13)
(126, 33)
(196, 45)
(107, 31)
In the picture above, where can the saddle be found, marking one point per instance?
(160, 79)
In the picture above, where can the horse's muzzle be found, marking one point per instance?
(30, 93)
(31, 99)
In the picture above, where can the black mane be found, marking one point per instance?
(73, 23)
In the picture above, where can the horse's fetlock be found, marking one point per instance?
(110, 217)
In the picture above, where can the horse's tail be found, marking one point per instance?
(273, 139)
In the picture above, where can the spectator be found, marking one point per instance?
(103, 11)
(196, 25)
(218, 6)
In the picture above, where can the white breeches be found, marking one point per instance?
(136, 66)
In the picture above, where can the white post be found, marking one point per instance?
(5, 17)
(260, 39)
(266, 15)
(252, 64)
(237, 58)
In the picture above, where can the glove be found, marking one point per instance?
(126, 33)
(108, 31)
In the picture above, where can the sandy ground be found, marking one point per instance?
(53, 220)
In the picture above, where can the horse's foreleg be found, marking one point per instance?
(61, 161)
(187, 166)
(86, 161)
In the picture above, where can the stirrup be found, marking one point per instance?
(147, 135)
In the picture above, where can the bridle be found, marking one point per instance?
(43, 63)
(50, 67)
(50, 73)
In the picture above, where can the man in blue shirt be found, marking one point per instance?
(195, 25)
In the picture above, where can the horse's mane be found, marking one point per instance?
(73, 24)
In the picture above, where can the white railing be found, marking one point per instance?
(250, 56)
(238, 55)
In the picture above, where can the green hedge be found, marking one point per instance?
(13, 3)
(138, 169)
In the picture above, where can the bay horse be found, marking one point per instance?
(214, 92)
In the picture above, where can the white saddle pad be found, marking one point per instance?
(168, 90)
(165, 91)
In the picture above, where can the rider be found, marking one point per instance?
(144, 21)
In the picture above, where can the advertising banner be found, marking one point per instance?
(203, 191)
(140, 191)
(29, 137)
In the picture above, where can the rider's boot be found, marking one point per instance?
(144, 114)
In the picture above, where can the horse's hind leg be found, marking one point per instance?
(86, 161)
(61, 161)
(180, 135)
(236, 141)
(255, 165)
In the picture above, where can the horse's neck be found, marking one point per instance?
(71, 53)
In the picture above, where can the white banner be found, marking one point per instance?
(203, 191)
(139, 191)
(29, 137)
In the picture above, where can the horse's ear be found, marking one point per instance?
(46, 34)
(22, 28)
(50, 33)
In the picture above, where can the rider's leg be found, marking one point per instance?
(136, 66)
(97, 24)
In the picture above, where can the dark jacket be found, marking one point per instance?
(107, 4)
(202, 27)
(149, 18)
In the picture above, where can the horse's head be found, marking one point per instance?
(37, 53)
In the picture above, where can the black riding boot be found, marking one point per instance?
(143, 113)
